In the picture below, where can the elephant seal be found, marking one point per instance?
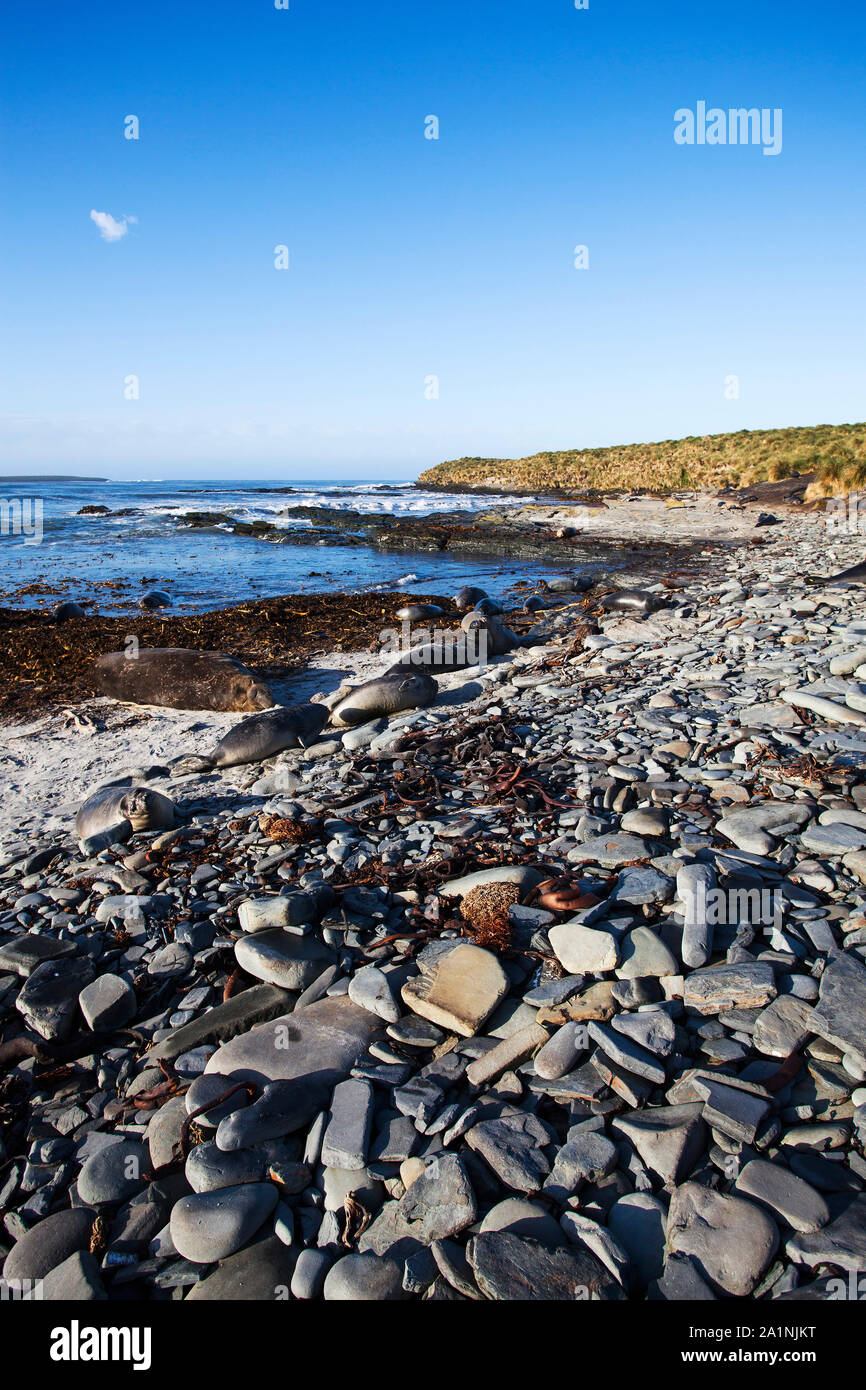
(467, 598)
(64, 612)
(533, 603)
(855, 575)
(489, 606)
(115, 813)
(415, 612)
(568, 584)
(491, 636)
(180, 678)
(635, 601)
(398, 689)
(155, 598)
(262, 736)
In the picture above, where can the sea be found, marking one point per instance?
(110, 560)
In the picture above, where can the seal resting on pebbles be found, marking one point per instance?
(124, 811)
(181, 678)
(636, 601)
(489, 636)
(262, 736)
(155, 598)
(467, 598)
(396, 690)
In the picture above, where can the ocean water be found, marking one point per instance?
(112, 560)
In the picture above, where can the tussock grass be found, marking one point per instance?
(836, 454)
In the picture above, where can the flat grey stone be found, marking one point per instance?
(638, 1223)
(208, 1168)
(458, 990)
(223, 1021)
(282, 958)
(370, 989)
(347, 1135)
(513, 1147)
(610, 851)
(786, 1196)
(311, 1270)
(440, 1203)
(585, 1157)
(48, 998)
(560, 1053)
(114, 1174)
(209, 1226)
(583, 950)
(23, 953)
(620, 1048)
(523, 1218)
(322, 1041)
(76, 1280)
(840, 1014)
(668, 1138)
(842, 1242)
(730, 1240)
(653, 1030)
(108, 1002)
(643, 953)
(511, 1268)
(261, 1273)
(732, 1111)
(833, 839)
(723, 987)
(783, 1026)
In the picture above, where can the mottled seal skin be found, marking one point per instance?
(263, 735)
(398, 689)
(155, 598)
(415, 612)
(636, 601)
(127, 810)
(180, 678)
(467, 598)
(855, 575)
(65, 612)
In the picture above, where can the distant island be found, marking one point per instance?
(834, 454)
(49, 478)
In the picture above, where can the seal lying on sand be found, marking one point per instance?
(414, 612)
(66, 611)
(481, 638)
(635, 601)
(467, 598)
(396, 690)
(262, 736)
(154, 599)
(181, 679)
(123, 811)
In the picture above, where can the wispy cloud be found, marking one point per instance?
(109, 227)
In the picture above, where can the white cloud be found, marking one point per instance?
(109, 228)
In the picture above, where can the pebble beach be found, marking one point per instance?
(552, 989)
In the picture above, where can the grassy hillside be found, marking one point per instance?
(835, 453)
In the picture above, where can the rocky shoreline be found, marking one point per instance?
(555, 989)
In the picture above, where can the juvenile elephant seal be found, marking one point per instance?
(155, 598)
(262, 736)
(119, 812)
(415, 612)
(492, 637)
(488, 606)
(396, 690)
(636, 601)
(533, 603)
(568, 584)
(65, 612)
(855, 575)
(180, 678)
(467, 598)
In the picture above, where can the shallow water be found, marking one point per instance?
(79, 556)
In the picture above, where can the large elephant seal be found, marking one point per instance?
(568, 584)
(66, 612)
(416, 612)
(396, 690)
(154, 598)
(467, 598)
(262, 736)
(635, 601)
(180, 678)
(118, 812)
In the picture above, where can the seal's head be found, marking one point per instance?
(146, 809)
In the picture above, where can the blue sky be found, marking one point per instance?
(414, 258)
